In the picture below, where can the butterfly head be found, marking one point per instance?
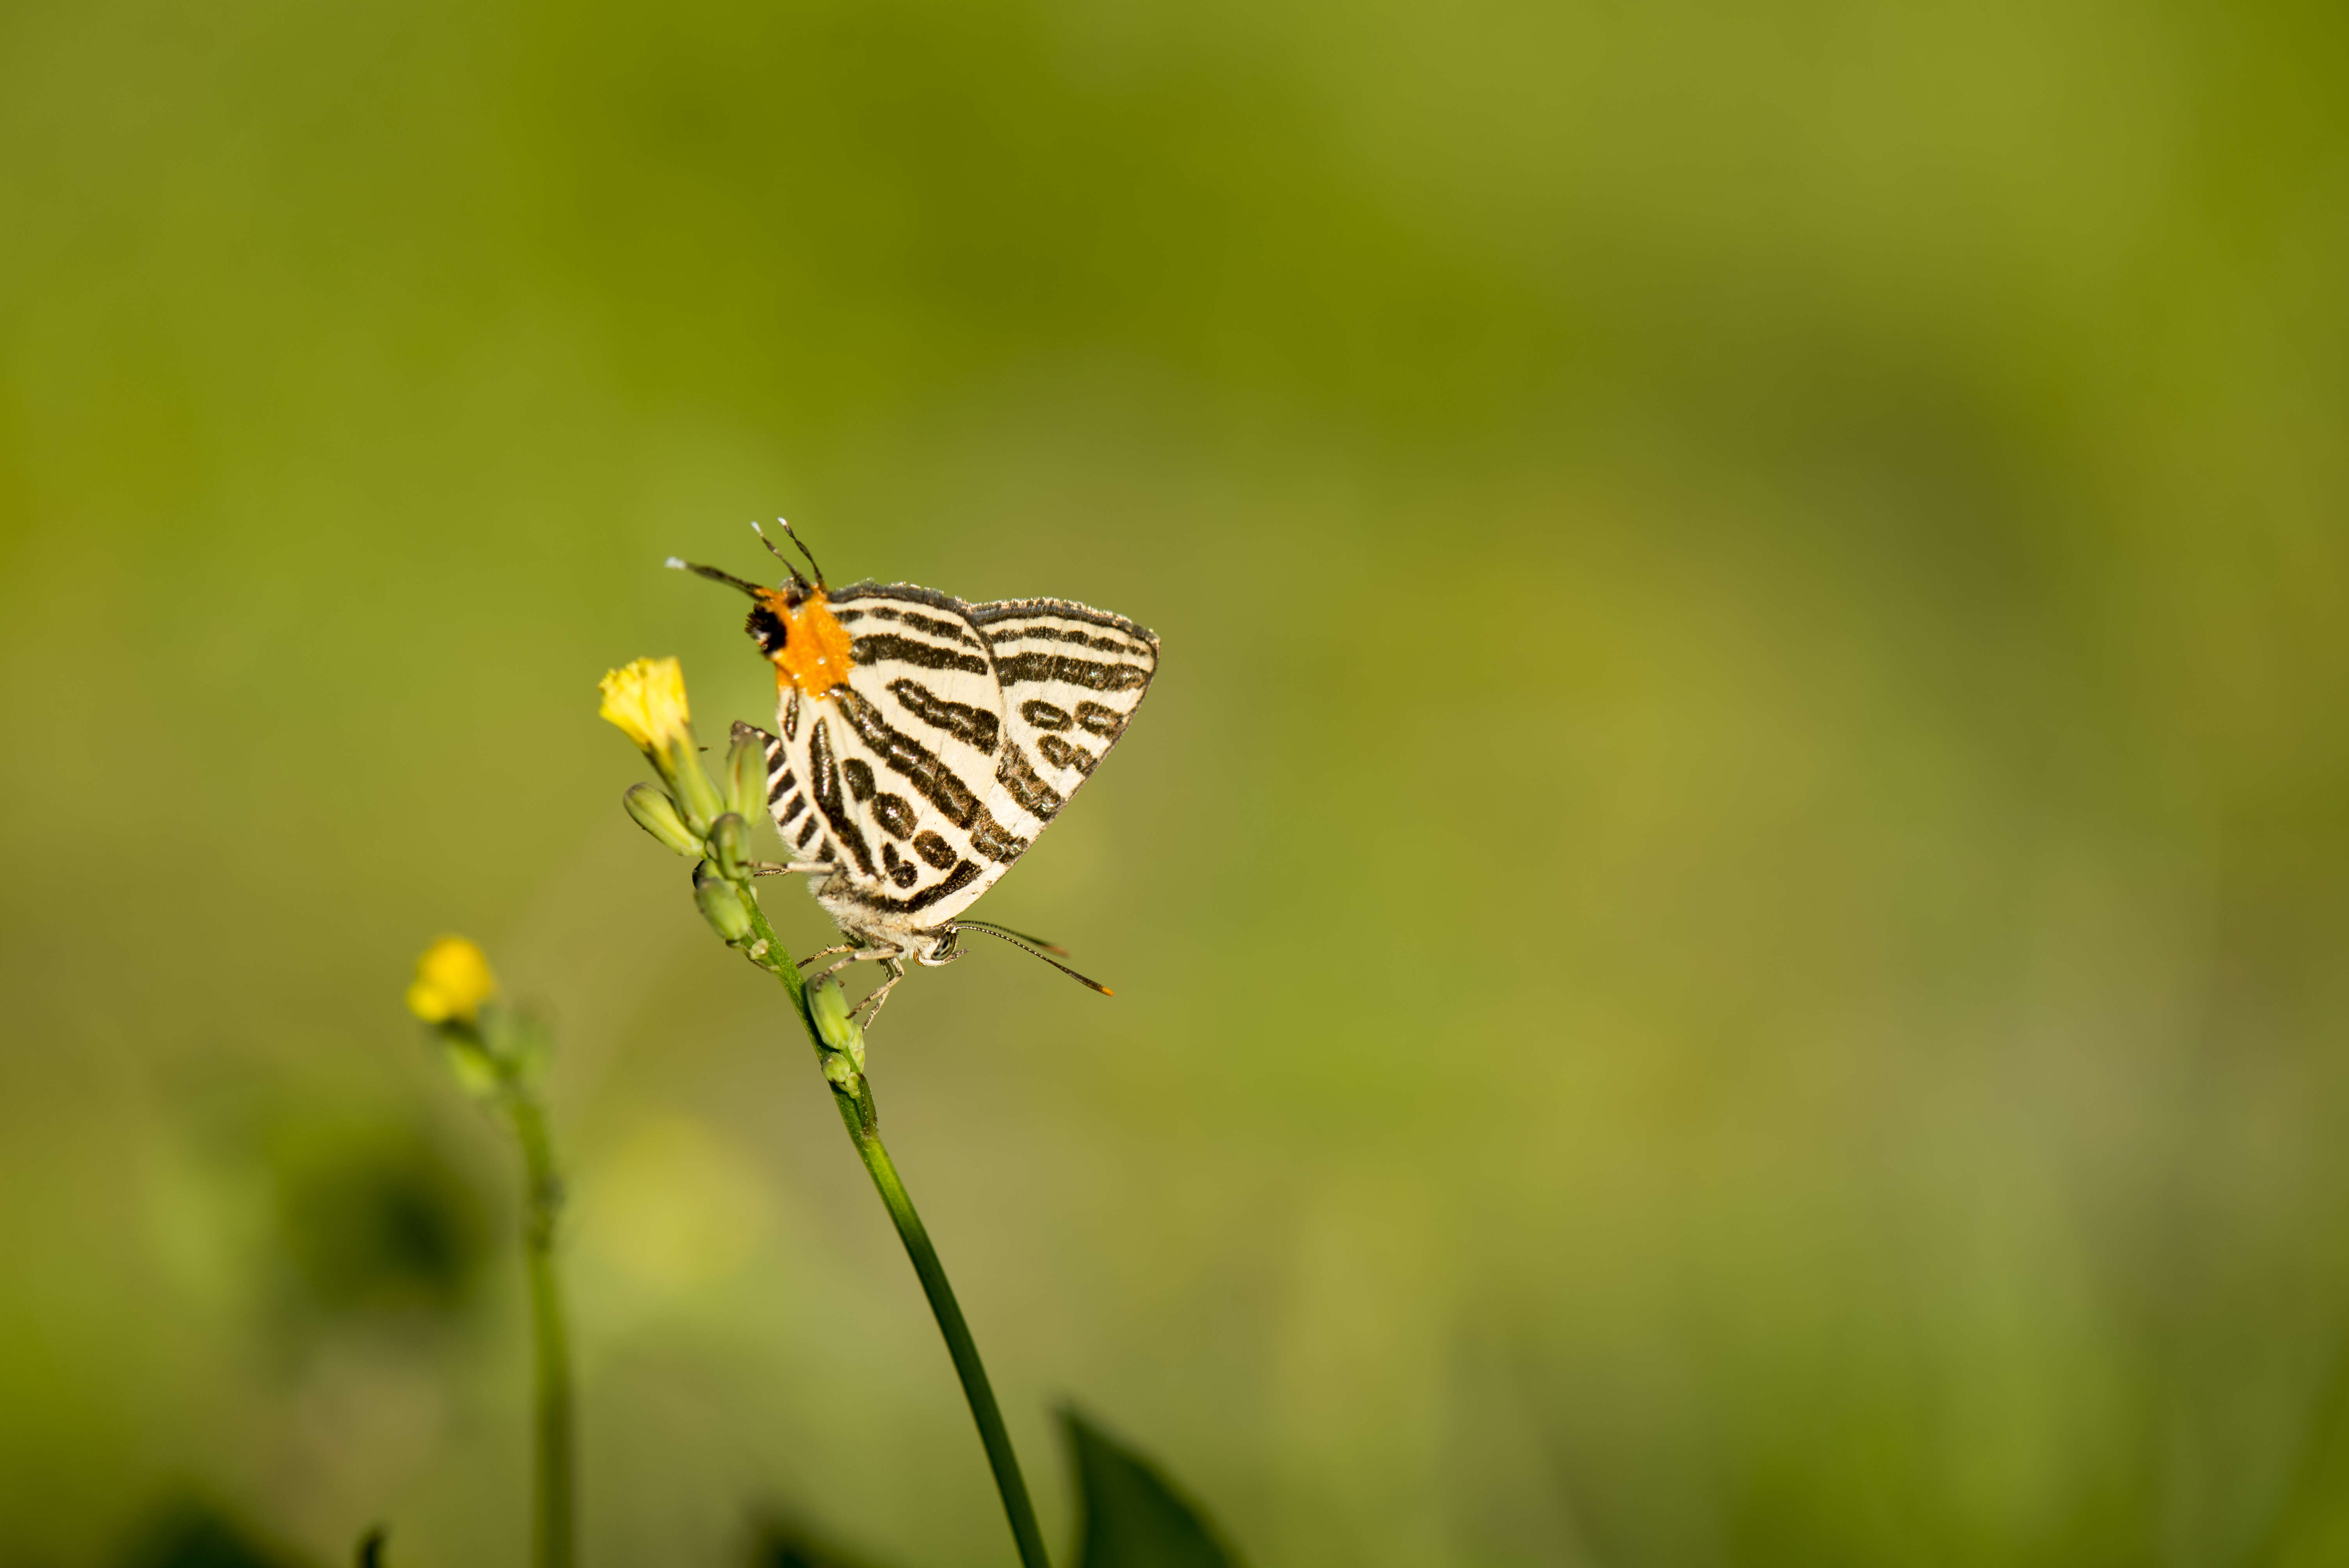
(790, 622)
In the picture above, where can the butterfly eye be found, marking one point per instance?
(767, 629)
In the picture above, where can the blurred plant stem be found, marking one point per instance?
(554, 1522)
(498, 1056)
(646, 699)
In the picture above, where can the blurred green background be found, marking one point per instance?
(1728, 913)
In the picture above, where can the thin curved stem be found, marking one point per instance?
(854, 1096)
(976, 1388)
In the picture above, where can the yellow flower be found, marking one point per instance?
(646, 700)
(452, 981)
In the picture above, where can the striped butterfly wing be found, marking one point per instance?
(1071, 676)
(887, 775)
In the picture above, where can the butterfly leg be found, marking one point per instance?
(836, 965)
(777, 868)
(857, 952)
(896, 972)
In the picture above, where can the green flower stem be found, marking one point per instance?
(959, 1345)
(552, 1533)
(854, 1097)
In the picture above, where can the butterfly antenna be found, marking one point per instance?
(989, 925)
(715, 575)
(789, 565)
(795, 539)
(1001, 936)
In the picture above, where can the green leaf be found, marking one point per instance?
(786, 1542)
(1131, 1516)
(192, 1533)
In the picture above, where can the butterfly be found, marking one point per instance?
(921, 744)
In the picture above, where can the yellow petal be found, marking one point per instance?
(646, 700)
(452, 981)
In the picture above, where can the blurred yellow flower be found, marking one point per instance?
(452, 981)
(646, 700)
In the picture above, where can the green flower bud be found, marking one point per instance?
(655, 813)
(730, 845)
(746, 774)
(471, 1063)
(722, 903)
(835, 1025)
(696, 795)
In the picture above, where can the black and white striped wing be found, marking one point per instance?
(887, 775)
(1071, 677)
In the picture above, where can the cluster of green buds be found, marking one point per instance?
(840, 1040)
(491, 1049)
(688, 814)
(685, 811)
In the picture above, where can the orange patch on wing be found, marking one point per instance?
(815, 656)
